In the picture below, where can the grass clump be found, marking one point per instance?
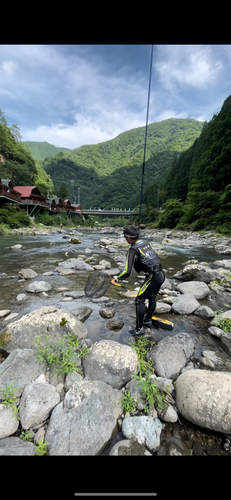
(62, 353)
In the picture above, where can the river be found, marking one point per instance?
(42, 254)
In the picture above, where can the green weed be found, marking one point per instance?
(41, 447)
(128, 403)
(151, 392)
(61, 353)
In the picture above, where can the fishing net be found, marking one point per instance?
(97, 284)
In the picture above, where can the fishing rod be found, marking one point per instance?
(145, 139)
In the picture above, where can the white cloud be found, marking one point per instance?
(9, 67)
(193, 66)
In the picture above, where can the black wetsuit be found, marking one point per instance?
(142, 257)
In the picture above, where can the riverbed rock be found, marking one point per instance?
(162, 307)
(185, 304)
(128, 448)
(82, 313)
(171, 354)
(197, 288)
(37, 401)
(19, 369)
(144, 429)
(203, 397)
(226, 263)
(204, 312)
(106, 313)
(200, 272)
(50, 320)
(8, 421)
(86, 420)
(4, 313)
(115, 324)
(78, 264)
(38, 286)
(28, 273)
(13, 446)
(111, 362)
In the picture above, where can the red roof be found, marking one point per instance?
(24, 190)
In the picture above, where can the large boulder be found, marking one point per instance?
(37, 401)
(197, 288)
(85, 422)
(111, 362)
(185, 304)
(171, 354)
(19, 369)
(201, 272)
(203, 397)
(48, 320)
(78, 264)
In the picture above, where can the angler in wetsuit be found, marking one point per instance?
(142, 257)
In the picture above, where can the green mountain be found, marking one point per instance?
(109, 174)
(41, 150)
(201, 177)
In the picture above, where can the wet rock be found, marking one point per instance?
(169, 414)
(19, 369)
(204, 312)
(66, 272)
(75, 241)
(145, 430)
(86, 420)
(21, 297)
(74, 295)
(185, 304)
(27, 273)
(38, 286)
(171, 354)
(107, 313)
(82, 313)
(37, 401)
(197, 288)
(115, 324)
(217, 332)
(111, 362)
(16, 446)
(47, 320)
(16, 247)
(203, 397)
(9, 318)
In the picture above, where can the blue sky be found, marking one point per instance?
(72, 95)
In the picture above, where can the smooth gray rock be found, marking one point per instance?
(12, 446)
(185, 304)
(171, 354)
(8, 421)
(197, 288)
(85, 422)
(112, 362)
(37, 402)
(19, 369)
(146, 430)
(38, 287)
(203, 397)
(28, 273)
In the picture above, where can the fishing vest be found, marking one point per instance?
(146, 256)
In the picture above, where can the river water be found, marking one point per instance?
(42, 254)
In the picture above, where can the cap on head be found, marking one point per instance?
(132, 232)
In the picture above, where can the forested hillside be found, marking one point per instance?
(17, 163)
(109, 173)
(41, 150)
(200, 180)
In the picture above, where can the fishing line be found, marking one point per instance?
(145, 139)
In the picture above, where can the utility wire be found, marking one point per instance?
(145, 139)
